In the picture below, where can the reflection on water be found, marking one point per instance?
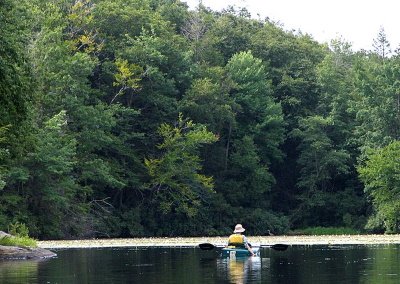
(382, 265)
(19, 271)
(298, 264)
(242, 269)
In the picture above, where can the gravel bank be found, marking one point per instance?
(191, 242)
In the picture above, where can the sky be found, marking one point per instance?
(355, 21)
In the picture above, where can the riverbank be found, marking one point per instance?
(192, 242)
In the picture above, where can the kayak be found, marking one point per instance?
(238, 252)
(241, 252)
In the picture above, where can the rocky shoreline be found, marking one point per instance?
(11, 252)
(193, 242)
(17, 252)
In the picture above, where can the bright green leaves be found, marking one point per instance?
(128, 76)
(260, 117)
(249, 73)
(381, 176)
(80, 11)
(82, 37)
(175, 178)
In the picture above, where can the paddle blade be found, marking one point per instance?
(206, 246)
(279, 247)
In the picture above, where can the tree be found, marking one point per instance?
(64, 52)
(335, 76)
(16, 105)
(380, 174)
(194, 31)
(231, 33)
(320, 163)
(117, 18)
(260, 117)
(253, 141)
(14, 72)
(166, 68)
(100, 146)
(127, 78)
(381, 44)
(176, 181)
(376, 103)
(292, 60)
(198, 31)
(59, 203)
(173, 11)
(209, 103)
(247, 178)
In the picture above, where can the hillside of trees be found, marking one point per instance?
(131, 118)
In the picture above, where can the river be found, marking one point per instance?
(298, 264)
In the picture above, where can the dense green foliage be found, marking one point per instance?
(142, 118)
(381, 176)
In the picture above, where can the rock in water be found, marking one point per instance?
(13, 252)
(16, 252)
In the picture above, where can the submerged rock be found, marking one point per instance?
(13, 252)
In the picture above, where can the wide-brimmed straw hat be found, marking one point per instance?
(239, 229)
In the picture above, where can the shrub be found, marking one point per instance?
(19, 236)
(18, 229)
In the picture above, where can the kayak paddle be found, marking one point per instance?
(208, 246)
(278, 247)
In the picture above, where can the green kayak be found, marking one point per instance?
(238, 252)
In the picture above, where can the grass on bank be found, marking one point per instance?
(18, 236)
(327, 231)
(24, 242)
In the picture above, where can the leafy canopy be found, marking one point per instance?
(175, 177)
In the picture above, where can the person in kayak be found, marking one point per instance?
(237, 240)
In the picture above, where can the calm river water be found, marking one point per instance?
(298, 264)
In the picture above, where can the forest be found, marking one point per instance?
(142, 118)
